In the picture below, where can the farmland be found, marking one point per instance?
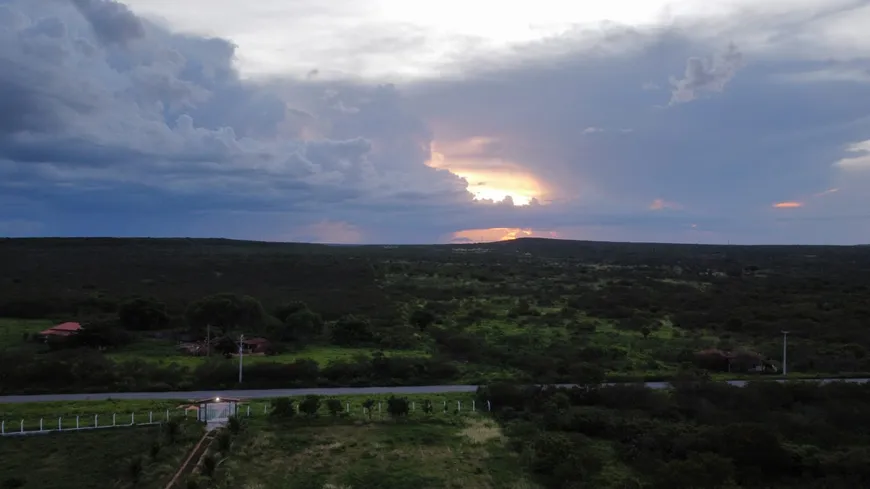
(526, 310)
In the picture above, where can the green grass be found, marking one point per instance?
(165, 352)
(441, 452)
(49, 412)
(97, 459)
(12, 330)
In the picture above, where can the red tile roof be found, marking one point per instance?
(63, 329)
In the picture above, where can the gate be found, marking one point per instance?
(216, 411)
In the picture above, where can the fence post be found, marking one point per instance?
(379, 408)
(96, 421)
(40, 424)
(347, 407)
(2, 427)
(458, 406)
(59, 424)
(77, 421)
(113, 419)
(132, 419)
(167, 415)
(249, 410)
(22, 426)
(488, 406)
(445, 406)
(150, 417)
(412, 406)
(264, 408)
(473, 407)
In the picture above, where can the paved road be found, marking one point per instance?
(334, 391)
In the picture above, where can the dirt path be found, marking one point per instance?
(191, 460)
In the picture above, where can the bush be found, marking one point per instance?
(283, 408)
(224, 441)
(398, 406)
(209, 464)
(310, 405)
(234, 424)
(334, 406)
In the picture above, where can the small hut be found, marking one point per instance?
(216, 409)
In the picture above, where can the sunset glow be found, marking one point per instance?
(788, 205)
(489, 177)
(499, 234)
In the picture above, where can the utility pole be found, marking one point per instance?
(241, 355)
(785, 353)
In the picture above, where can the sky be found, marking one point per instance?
(412, 121)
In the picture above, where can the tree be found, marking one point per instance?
(334, 406)
(351, 330)
(422, 319)
(310, 405)
(224, 312)
(283, 408)
(398, 406)
(141, 314)
(303, 323)
(368, 405)
(289, 308)
(427, 406)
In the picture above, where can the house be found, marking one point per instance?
(727, 361)
(255, 345)
(62, 330)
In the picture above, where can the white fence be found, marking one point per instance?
(48, 425)
(78, 423)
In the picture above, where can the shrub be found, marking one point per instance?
(283, 408)
(310, 405)
(334, 406)
(398, 406)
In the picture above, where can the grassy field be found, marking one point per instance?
(165, 352)
(466, 452)
(98, 459)
(49, 412)
(12, 330)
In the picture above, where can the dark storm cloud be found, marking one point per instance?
(112, 22)
(112, 125)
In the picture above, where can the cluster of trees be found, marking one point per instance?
(700, 435)
(310, 406)
(90, 371)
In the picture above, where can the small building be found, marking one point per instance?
(62, 330)
(255, 345)
(216, 410)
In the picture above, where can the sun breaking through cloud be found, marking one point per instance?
(499, 234)
(489, 177)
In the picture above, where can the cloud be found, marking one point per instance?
(115, 122)
(706, 75)
(788, 205)
(661, 204)
(112, 22)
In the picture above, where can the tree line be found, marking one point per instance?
(699, 435)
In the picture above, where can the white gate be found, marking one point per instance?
(216, 412)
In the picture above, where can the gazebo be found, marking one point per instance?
(216, 409)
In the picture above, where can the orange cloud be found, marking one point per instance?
(661, 204)
(499, 234)
(488, 177)
(788, 205)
